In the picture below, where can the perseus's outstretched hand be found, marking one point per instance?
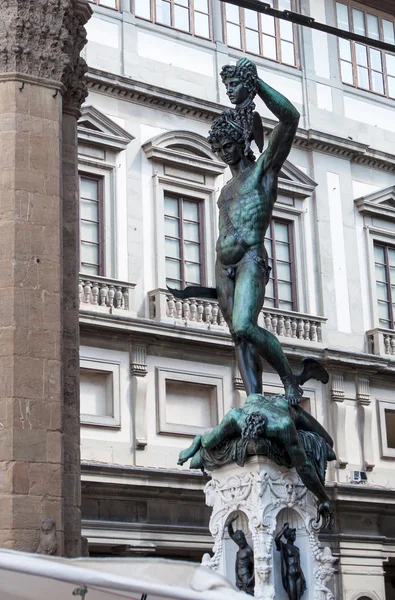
(324, 511)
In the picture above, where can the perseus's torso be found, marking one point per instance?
(245, 204)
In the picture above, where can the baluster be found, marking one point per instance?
(215, 309)
(200, 311)
(313, 331)
(110, 296)
(268, 321)
(87, 292)
(287, 327)
(293, 328)
(207, 313)
(192, 310)
(80, 290)
(118, 297)
(300, 329)
(221, 319)
(274, 324)
(280, 325)
(94, 292)
(319, 332)
(392, 344)
(307, 330)
(178, 309)
(170, 306)
(125, 292)
(387, 343)
(103, 295)
(185, 310)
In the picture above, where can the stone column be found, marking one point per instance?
(39, 60)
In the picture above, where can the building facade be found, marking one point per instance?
(156, 371)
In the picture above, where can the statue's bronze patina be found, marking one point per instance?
(244, 566)
(292, 575)
(242, 273)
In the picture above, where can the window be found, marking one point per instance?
(386, 414)
(107, 3)
(261, 34)
(363, 67)
(183, 242)
(384, 257)
(100, 392)
(280, 291)
(91, 226)
(192, 16)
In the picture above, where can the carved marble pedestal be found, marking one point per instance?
(266, 496)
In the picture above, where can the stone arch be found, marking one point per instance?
(365, 596)
(187, 142)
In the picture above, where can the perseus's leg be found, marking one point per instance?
(229, 428)
(305, 421)
(190, 451)
(248, 300)
(247, 358)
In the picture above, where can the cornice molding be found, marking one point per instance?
(378, 204)
(167, 100)
(96, 128)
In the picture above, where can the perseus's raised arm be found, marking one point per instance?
(282, 136)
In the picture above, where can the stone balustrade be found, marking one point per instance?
(205, 314)
(104, 294)
(381, 341)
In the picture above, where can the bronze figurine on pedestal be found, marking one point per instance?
(294, 581)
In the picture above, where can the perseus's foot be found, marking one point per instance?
(189, 452)
(293, 392)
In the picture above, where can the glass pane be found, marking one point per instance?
(284, 271)
(192, 273)
(182, 2)
(201, 25)
(363, 78)
(286, 31)
(285, 305)
(89, 210)
(375, 59)
(270, 289)
(252, 41)
(268, 247)
(233, 35)
(232, 13)
(390, 64)
(345, 49)
(108, 3)
(173, 269)
(201, 5)
(385, 323)
(391, 87)
(89, 188)
(282, 251)
(269, 303)
(388, 29)
(347, 74)
(379, 254)
(172, 283)
(342, 16)
(267, 23)
(163, 12)
(89, 269)
(383, 310)
(284, 4)
(172, 248)
(287, 53)
(281, 232)
(171, 207)
(142, 8)
(361, 53)
(89, 232)
(192, 252)
(381, 289)
(284, 291)
(391, 257)
(377, 82)
(181, 18)
(171, 227)
(269, 47)
(381, 275)
(89, 253)
(373, 27)
(251, 19)
(190, 211)
(390, 428)
(191, 232)
(358, 21)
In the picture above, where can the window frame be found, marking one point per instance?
(277, 36)
(291, 236)
(98, 3)
(191, 9)
(382, 406)
(180, 199)
(112, 368)
(385, 246)
(380, 15)
(102, 241)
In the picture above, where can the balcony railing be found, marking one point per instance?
(205, 314)
(381, 341)
(104, 295)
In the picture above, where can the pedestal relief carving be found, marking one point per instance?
(263, 491)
